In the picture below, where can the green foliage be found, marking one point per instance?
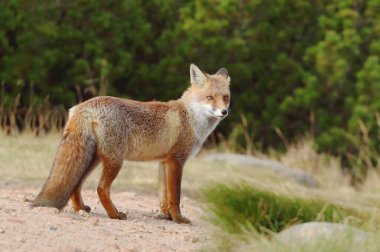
(297, 66)
(239, 207)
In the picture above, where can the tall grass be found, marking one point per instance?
(240, 207)
(38, 117)
(365, 156)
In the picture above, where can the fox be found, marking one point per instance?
(109, 130)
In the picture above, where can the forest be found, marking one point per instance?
(298, 68)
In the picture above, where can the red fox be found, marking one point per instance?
(109, 130)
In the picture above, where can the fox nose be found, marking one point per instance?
(224, 112)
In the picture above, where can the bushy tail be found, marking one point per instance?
(74, 157)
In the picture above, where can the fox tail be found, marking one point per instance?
(75, 155)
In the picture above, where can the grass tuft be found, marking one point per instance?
(237, 208)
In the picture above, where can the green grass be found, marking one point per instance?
(237, 208)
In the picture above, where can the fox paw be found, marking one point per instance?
(121, 216)
(84, 208)
(181, 220)
(87, 208)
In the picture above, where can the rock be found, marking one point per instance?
(312, 230)
(195, 240)
(284, 171)
(52, 228)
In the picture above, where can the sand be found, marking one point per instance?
(23, 228)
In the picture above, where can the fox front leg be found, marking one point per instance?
(174, 169)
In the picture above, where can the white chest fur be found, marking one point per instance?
(202, 123)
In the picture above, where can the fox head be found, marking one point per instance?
(209, 94)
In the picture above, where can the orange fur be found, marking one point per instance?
(109, 130)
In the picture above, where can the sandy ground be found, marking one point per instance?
(46, 229)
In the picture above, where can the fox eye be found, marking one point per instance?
(226, 98)
(210, 98)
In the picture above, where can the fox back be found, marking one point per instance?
(127, 129)
(141, 131)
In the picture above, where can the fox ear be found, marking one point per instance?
(197, 77)
(224, 73)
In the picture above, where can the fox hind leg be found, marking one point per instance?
(110, 171)
(162, 191)
(77, 201)
(76, 196)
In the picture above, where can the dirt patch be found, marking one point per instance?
(45, 229)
